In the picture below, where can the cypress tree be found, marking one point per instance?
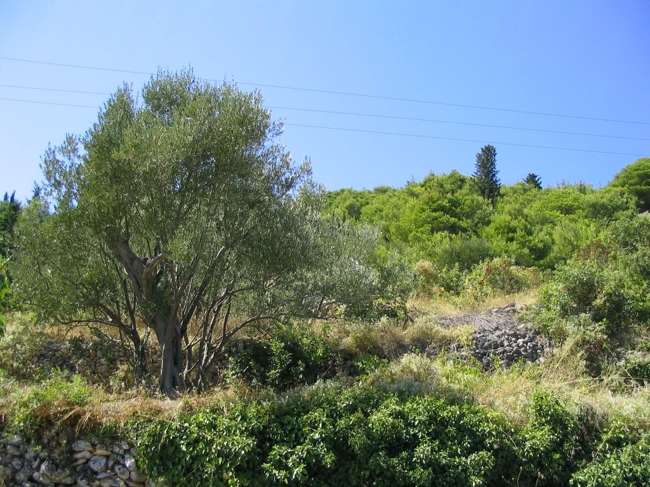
(485, 176)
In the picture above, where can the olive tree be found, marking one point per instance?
(179, 213)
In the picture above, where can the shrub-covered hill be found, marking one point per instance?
(339, 403)
(444, 220)
(424, 392)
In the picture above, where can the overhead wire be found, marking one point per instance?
(463, 140)
(49, 103)
(394, 117)
(334, 112)
(358, 114)
(342, 93)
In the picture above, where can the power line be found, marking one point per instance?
(55, 89)
(74, 66)
(343, 93)
(463, 140)
(49, 103)
(429, 102)
(369, 115)
(454, 123)
(378, 132)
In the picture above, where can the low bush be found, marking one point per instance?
(20, 349)
(595, 305)
(291, 356)
(499, 276)
(331, 435)
(433, 281)
(48, 401)
(620, 459)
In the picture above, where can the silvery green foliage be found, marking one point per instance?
(178, 210)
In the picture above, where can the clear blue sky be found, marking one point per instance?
(587, 59)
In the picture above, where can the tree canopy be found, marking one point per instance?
(635, 178)
(178, 211)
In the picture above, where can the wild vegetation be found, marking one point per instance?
(301, 334)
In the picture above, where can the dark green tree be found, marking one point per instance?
(9, 212)
(180, 215)
(485, 176)
(533, 180)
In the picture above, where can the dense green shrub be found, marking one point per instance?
(549, 449)
(608, 296)
(620, 459)
(432, 280)
(635, 178)
(330, 435)
(291, 356)
(460, 251)
(4, 290)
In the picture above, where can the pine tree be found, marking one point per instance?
(533, 180)
(485, 176)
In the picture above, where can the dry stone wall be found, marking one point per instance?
(56, 462)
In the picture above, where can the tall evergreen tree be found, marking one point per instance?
(485, 176)
(9, 211)
(533, 180)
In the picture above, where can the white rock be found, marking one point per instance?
(112, 483)
(129, 462)
(21, 477)
(112, 460)
(16, 465)
(37, 476)
(63, 477)
(13, 450)
(81, 445)
(47, 470)
(102, 450)
(97, 463)
(15, 441)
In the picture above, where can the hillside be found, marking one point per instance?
(197, 311)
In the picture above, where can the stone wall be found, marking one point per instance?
(55, 461)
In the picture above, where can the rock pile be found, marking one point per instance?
(501, 338)
(82, 464)
(507, 346)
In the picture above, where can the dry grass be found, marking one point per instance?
(449, 305)
(506, 391)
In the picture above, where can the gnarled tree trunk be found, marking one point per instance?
(169, 338)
